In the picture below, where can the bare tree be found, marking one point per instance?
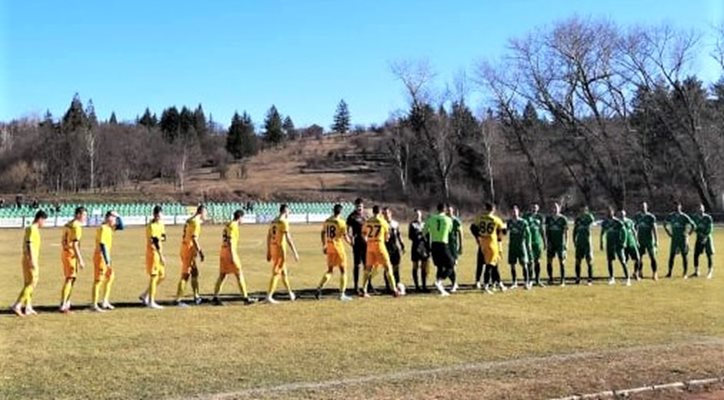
(90, 136)
(433, 128)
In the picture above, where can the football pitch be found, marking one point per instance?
(543, 343)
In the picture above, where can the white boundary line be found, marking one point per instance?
(291, 387)
(623, 393)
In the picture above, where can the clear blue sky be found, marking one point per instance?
(303, 55)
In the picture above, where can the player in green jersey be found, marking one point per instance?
(647, 238)
(704, 240)
(455, 242)
(438, 227)
(612, 229)
(679, 227)
(630, 245)
(519, 248)
(582, 242)
(556, 230)
(537, 239)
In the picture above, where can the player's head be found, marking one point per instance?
(556, 208)
(238, 214)
(387, 212)
(80, 214)
(645, 206)
(702, 208)
(359, 204)
(201, 211)
(622, 212)
(678, 206)
(489, 207)
(536, 207)
(611, 212)
(516, 211)
(337, 209)
(284, 209)
(40, 218)
(441, 207)
(418, 214)
(157, 213)
(111, 218)
(586, 209)
(450, 211)
(376, 210)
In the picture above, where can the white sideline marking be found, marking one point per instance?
(291, 387)
(624, 393)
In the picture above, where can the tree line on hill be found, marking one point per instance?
(583, 111)
(79, 152)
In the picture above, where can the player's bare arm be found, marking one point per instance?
(292, 246)
(76, 248)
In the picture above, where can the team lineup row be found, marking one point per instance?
(377, 243)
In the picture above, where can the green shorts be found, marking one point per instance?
(584, 251)
(614, 251)
(536, 251)
(558, 251)
(517, 256)
(703, 246)
(632, 253)
(679, 246)
(647, 248)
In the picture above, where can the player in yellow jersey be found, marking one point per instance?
(155, 260)
(103, 274)
(376, 232)
(229, 261)
(31, 265)
(488, 230)
(334, 236)
(278, 238)
(71, 256)
(190, 250)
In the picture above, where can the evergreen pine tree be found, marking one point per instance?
(112, 120)
(148, 120)
(273, 131)
(341, 118)
(289, 129)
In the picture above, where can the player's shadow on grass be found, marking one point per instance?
(328, 294)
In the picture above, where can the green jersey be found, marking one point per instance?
(556, 227)
(678, 223)
(454, 236)
(629, 232)
(582, 229)
(645, 226)
(519, 236)
(614, 231)
(438, 226)
(535, 223)
(704, 225)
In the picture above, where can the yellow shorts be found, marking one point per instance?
(100, 268)
(278, 259)
(491, 254)
(377, 258)
(30, 275)
(188, 260)
(336, 258)
(70, 265)
(154, 267)
(227, 265)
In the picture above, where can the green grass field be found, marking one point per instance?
(543, 343)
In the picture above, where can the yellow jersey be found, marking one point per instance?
(278, 233)
(334, 232)
(377, 231)
(155, 230)
(490, 228)
(192, 229)
(230, 237)
(31, 242)
(104, 235)
(72, 232)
